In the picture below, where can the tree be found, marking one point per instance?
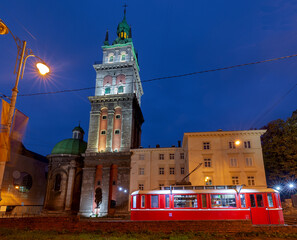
(279, 146)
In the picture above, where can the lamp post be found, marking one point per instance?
(22, 56)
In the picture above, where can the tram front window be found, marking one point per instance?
(270, 200)
(185, 201)
(223, 200)
(134, 201)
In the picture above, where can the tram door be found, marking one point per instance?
(259, 212)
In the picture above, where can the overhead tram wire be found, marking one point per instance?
(253, 125)
(167, 77)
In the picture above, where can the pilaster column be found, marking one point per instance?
(94, 127)
(87, 191)
(109, 130)
(70, 185)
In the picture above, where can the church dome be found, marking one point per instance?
(70, 146)
(75, 145)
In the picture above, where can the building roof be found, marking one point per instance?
(19, 148)
(70, 146)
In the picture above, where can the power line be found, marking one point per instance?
(273, 106)
(166, 77)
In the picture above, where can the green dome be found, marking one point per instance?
(70, 146)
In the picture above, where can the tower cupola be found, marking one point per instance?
(123, 31)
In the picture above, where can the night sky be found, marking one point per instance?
(172, 37)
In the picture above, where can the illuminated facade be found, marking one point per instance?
(227, 157)
(115, 128)
(152, 168)
(223, 157)
(24, 182)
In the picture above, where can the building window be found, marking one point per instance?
(121, 89)
(141, 156)
(161, 156)
(251, 180)
(58, 179)
(235, 180)
(249, 162)
(172, 171)
(141, 186)
(110, 59)
(231, 145)
(123, 57)
(182, 170)
(206, 145)
(247, 144)
(103, 132)
(171, 156)
(161, 171)
(207, 163)
(208, 181)
(182, 156)
(104, 117)
(118, 116)
(107, 90)
(141, 171)
(233, 162)
(117, 132)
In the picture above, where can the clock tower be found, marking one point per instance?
(114, 128)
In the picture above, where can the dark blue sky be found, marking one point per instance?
(172, 37)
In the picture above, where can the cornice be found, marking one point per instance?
(112, 97)
(226, 133)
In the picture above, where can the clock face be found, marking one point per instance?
(16, 174)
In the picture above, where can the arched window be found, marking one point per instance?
(123, 56)
(121, 79)
(110, 58)
(57, 185)
(107, 80)
(107, 90)
(121, 89)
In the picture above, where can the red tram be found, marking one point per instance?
(260, 205)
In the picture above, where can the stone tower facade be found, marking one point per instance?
(115, 128)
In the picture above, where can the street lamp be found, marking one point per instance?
(22, 56)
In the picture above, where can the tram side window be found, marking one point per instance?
(154, 201)
(167, 201)
(242, 201)
(260, 200)
(252, 200)
(134, 201)
(203, 201)
(143, 201)
(270, 200)
(223, 200)
(185, 201)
